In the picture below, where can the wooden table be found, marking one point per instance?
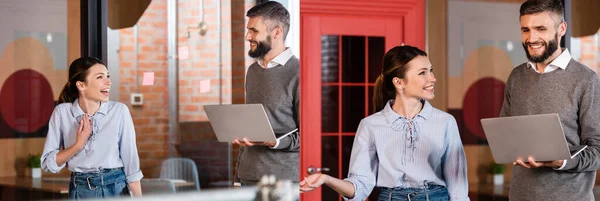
(166, 186)
(181, 183)
(27, 188)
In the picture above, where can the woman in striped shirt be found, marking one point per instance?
(92, 136)
(408, 149)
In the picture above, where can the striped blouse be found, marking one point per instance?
(390, 150)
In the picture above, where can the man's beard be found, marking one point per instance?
(262, 48)
(551, 47)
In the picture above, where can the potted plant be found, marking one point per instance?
(497, 171)
(35, 165)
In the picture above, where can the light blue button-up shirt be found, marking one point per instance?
(392, 151)
(110, 145)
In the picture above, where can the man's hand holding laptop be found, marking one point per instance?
(531, 163)
(245, 142)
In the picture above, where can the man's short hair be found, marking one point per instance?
(272, 11)
(539, 6)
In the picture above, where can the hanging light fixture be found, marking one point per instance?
(202, 26)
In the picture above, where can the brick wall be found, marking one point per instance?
(197, 141)
(150, 119)
(240, 59)
(226, 76)
(590, 53)
(196, 136)
(203, 62)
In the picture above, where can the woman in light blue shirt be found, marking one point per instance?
(92, 136)
(408, 149)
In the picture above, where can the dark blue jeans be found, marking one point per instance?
(426, 193)
(101, 184)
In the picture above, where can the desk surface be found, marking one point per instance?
(176, 182)
(36, 184)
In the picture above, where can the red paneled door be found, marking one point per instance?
(342, 46)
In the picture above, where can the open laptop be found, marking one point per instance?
(518, 137)
(243, 120)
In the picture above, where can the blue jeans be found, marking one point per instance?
(101, 184)
(426, 193)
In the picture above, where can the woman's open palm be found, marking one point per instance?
(313, 182)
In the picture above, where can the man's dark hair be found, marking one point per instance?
(538, 6)
(272, 11)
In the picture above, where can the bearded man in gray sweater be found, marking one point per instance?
(552, 82)
(273, 81)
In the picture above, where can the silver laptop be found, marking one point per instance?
(242, 120)
(518, 137)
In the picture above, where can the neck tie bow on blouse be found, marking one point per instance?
(410, 130)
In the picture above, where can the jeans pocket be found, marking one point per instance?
(439, 195)
(383, 197)
(121, 189)
(439, 199)
(384, 194)
(84, 192)
(115, 189)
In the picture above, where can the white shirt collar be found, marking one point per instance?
(280, 59)
(560, 62)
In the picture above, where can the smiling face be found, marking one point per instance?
(540, 34)
(419, 80)
(259, 36)
(97, 84)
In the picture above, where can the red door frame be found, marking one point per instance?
(402, 21)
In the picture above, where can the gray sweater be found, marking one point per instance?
(277, 89)
(573, 93)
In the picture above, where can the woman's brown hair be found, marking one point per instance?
(78, 71)
(394, 65)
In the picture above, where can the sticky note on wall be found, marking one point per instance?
(204, 86)
(148, 79)
(183, 52)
